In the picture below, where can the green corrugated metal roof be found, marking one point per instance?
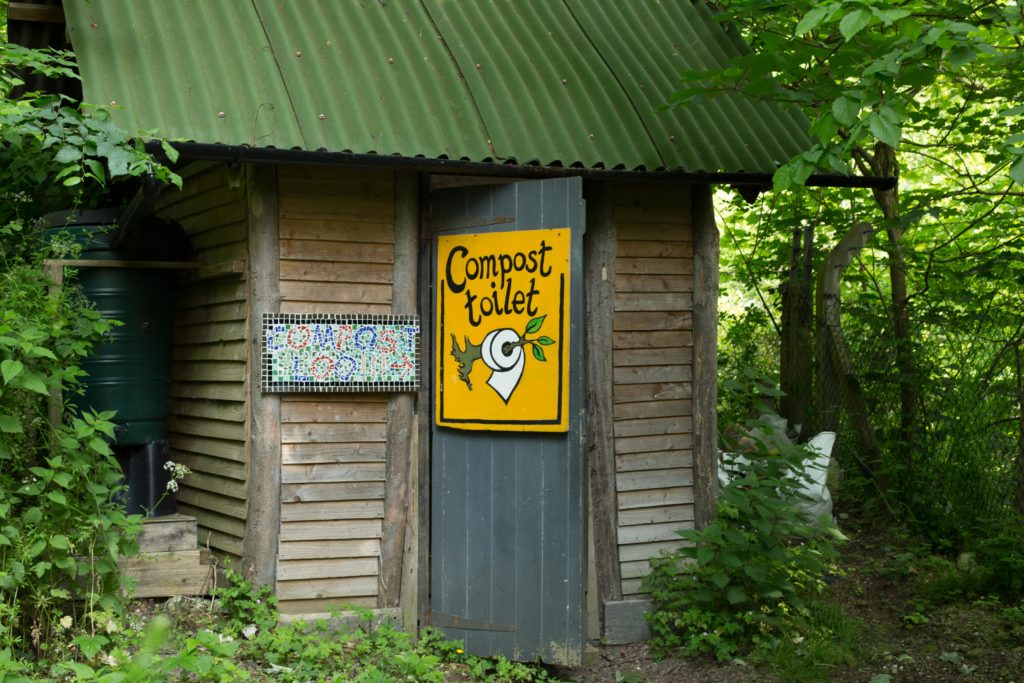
(554, 82)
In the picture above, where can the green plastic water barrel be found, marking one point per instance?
(130, 371)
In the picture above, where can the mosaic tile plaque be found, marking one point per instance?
(321, 352)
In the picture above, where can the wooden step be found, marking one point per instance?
(170, 561)
(170, 533)
(162, 575)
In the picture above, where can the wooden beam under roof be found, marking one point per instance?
(30, 11)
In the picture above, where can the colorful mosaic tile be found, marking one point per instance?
(321, 352)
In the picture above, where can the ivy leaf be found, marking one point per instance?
(68, 154)
(735, 595)
(57, 497)
(534, 325)
(538, 353)
(720, 579)
(118, 162)
(10, 424)
(59, 541)
(35, 549)
(854, 22)
(846, 110)
(1017, 171)
(885, 130)
(755, 572)
(34, 382)
(890, 16)
(172, 154)
(90, 645)
(783, 178)
(814, 18)
(545, 341)
(11, 369)
(96, 168)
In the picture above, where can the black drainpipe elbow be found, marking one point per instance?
(141, 206)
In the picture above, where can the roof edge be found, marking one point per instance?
(203, 151)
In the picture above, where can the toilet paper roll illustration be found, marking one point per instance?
(501, 352)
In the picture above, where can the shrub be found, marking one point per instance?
(744, 579)
(999, 553)
(61, 530)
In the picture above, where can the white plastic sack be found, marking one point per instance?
(815, 486)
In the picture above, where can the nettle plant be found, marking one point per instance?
(62, 529)
(746, 580)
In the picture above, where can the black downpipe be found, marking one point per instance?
(138, 209)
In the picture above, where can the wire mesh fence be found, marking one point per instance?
(953, 457)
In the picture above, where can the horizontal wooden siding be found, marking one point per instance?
(337, 252)
(207, 425)
(652, 361)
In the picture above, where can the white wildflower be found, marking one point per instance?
(249, 631)
(178, 472)
(65, 622)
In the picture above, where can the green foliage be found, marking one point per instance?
(833, 639)
(244, 605)
(745, 580)
(937, 83)
(999, 554)
(1013, 620)
(56, 153)
(868, 71)
(327, 650)
(62, 529)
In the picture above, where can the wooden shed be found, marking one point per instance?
(355, 164)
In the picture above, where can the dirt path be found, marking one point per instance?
(904, 639)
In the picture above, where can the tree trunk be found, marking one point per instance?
(796, 353)
(883, 165)
(1018, 494)
(837, 378)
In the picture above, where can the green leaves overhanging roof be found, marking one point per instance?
(552, 82)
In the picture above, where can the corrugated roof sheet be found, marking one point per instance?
(554, 82)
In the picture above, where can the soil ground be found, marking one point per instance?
(903, 638)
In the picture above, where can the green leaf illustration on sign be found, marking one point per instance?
(534, 325)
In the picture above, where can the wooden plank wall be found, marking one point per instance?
(652, 372)
(207, 424)
(337, 230)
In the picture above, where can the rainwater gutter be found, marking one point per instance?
(749, 182)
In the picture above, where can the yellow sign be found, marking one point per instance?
(503, 331)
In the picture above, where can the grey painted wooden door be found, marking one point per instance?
(507, 508)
